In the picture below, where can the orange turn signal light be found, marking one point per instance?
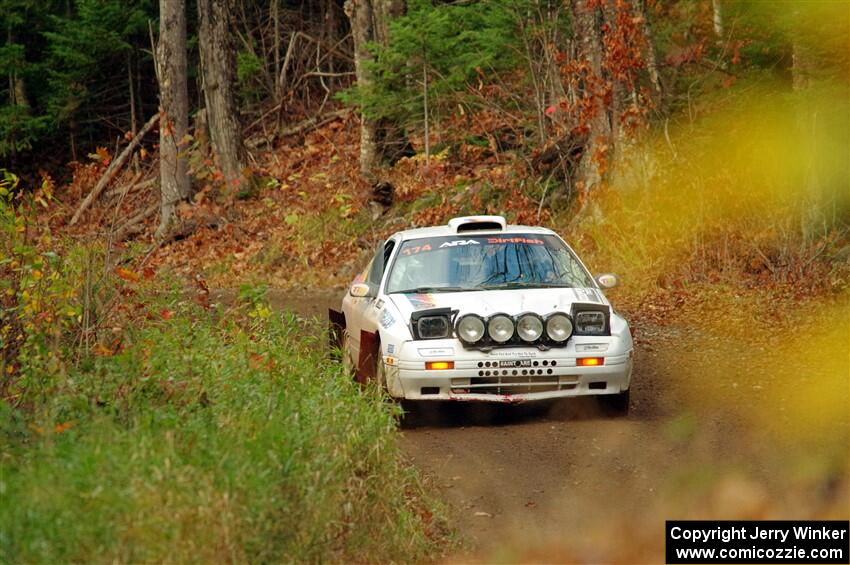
(590, 361)
(439, 365)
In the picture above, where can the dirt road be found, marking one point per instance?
(523, 478)
(572, 485)
(565, 484)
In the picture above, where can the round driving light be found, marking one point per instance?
(559, 328)
(529, 327)
(470, 328)
(500, 328)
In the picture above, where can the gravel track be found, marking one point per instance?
(563, 482)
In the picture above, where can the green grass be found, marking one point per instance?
(210, 440)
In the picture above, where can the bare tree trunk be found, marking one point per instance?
(587, 27)
(425, 112)
(11, 72)
(360, 13)
(20, 91)
(651, 59)
(133, 120)
(802, 62)
(17, 97)
(381, 141)
(549, 46)
(218, 63)
(717, 19)
(329, 36)
(174, 109)
(610, 11)
(276, 24)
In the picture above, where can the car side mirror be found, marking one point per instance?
(361, 290)
(608, 280)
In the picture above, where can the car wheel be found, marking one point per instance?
(614, 404)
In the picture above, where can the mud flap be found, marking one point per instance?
(368, 356)
(336, 327)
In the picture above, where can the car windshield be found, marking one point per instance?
(485, 262)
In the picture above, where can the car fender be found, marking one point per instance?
(381, 333)
(393, 331)
(620, 329)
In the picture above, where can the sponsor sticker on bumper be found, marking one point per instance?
(516, 363)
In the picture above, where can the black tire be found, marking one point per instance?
(614, 404)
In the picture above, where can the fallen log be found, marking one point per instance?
(185, 229)
(132, 187)
(135, 224)
(262, 117)
(113, 169)
(314, 122)
(123, 190)
(301, 127)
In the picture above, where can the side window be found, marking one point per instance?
(379, 262)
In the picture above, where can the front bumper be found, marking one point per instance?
(515, 374)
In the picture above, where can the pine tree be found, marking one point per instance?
(21, 124)
(431, 55)
(60, 60)
(88, 48)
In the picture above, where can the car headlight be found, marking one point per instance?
(470, 328)
(500, 328)
(529, 327)
(432, 327)
(559, 328)
(590, 322)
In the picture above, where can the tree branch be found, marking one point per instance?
(113, 169)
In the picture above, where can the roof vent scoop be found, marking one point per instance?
(478, 223)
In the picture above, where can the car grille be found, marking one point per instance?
(513, 384)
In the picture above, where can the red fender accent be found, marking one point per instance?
(368, 356)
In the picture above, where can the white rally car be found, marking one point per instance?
(480, 310)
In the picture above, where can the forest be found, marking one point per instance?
(187, 185)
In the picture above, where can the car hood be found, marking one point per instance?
(487, 302)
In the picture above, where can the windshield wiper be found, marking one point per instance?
(427, 289)
(515, 285)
